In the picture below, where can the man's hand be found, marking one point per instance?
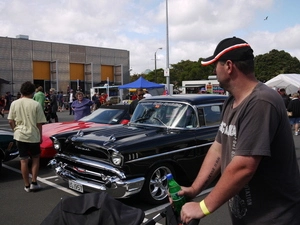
(188, 192)
(189, 211)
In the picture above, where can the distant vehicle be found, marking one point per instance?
(8, 148)
(104, 116)
(166, 134)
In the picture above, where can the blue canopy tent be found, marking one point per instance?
(153, 88)
(141, 83)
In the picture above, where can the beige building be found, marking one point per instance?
(59, 65)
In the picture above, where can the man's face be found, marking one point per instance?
(282, 92)
(221, 70)
(140, 95)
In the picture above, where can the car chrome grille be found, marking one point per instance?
(88, 169)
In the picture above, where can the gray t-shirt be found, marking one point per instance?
(260, 126)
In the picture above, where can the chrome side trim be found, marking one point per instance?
(167, 153)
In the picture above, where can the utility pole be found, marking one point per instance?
(155, 64)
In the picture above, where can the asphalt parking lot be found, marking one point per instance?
(20, 208)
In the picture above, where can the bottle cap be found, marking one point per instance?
(169, 176)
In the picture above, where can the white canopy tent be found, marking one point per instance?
(291, 82)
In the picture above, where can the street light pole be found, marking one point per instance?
(155, 64)
(167, 71)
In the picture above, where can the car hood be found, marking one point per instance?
(55, 128)
(116, 134)
(120, 138)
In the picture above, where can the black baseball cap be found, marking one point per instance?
(234, 49)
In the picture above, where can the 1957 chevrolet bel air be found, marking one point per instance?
(166, 134)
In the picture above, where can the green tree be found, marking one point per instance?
(273, 63)
(267, 66)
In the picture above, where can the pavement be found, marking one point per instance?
(47, 199)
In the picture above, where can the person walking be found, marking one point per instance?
(253, 150)
(54, 105)
(294, 112)
(39, 96)
(25, 118)
(81, 106)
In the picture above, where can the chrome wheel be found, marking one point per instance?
(155, 187)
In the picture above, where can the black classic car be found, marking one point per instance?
(8, 148)
(166, 134)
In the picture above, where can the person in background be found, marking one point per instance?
(94, 97)
(103, 98)
(147, 94)
(253, 150)
(8, 97)
(26, 118)
(79, 89)
(134, 96)
(54, 105)
(286, 99)
(294, 109)
(140, 95)
(2, 105)
(18, 95)
(71, 99)
(96, 101)
(60, 99)
(39, 96)
(81, 106)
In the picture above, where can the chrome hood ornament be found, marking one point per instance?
(111, 139)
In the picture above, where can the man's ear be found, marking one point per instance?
(229, 66)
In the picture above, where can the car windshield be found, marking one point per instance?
(170, 114)
(104, 115)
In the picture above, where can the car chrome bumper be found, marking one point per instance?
(114, 186)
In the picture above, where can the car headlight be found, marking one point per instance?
(56, 145)
(117, 159)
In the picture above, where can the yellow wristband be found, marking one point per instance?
(204, 208)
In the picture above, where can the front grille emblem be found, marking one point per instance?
(79, 170)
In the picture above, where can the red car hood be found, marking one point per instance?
(55, 128)
(47, 150)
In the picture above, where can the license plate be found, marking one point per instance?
(75, 186)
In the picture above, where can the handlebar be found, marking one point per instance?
(171, 218)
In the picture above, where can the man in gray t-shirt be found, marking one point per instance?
(261, 128)
(254, 149)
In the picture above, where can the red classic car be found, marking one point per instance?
(104, 116)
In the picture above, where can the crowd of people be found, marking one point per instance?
(76, 103)
(53, 102)
(292, 105)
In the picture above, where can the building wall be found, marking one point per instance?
(55, 64)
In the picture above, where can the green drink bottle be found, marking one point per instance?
(174, 187)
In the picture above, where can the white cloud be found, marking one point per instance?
(195, 26)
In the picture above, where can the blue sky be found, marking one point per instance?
(195, 26)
